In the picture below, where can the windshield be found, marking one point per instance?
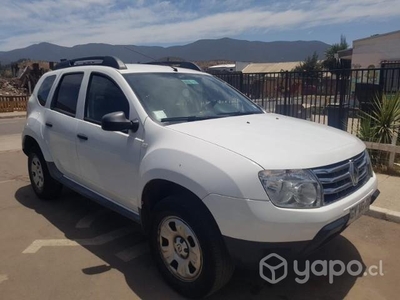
(179, 97)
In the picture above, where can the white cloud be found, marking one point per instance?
(71, 22)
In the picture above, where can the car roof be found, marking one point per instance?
(130, 69)
(145, 68)
(101, 62)
(181, 64)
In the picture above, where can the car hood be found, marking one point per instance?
(275, 141)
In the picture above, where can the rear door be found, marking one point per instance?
(60, 124)
(109, 161)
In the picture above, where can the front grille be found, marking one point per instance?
(336, 179)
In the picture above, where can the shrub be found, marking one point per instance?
(380, 125)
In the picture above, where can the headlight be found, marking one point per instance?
(292, 188)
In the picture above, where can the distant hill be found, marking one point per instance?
(202, 50)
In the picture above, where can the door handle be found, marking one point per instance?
(82, 137)
(49, 124)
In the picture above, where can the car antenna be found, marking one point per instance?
(126, 47)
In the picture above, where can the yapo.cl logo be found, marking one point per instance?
(273, 268)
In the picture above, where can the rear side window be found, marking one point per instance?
(44, 89)
(67, 93)
(103, 97)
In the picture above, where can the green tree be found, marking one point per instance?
(330, 62)
(309, 65)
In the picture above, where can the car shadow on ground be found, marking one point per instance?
(141, 273)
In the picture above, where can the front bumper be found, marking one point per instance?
(262, 221)
(248, 253)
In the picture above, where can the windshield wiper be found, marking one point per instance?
(239, 113)
(188, 118)
(198, 118)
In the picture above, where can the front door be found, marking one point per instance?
(109, 161)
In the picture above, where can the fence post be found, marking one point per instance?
(241, 82)
(285, 93)
(342, 99)
(393, 154)
(12, 104)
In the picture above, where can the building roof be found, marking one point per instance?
(345, 54)
(270, 67)
(377, 36)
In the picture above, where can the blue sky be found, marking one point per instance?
(165, 23)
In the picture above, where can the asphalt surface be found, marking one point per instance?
(72, 248)
(11, 126)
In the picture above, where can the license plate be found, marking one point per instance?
(359, 209)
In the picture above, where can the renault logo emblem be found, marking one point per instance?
(353, 171)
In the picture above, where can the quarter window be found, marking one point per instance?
(104, 97)
(44, 89)
(67, 93)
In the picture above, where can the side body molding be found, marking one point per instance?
(56, 174)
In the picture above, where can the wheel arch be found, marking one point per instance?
(29, 143)
(158, 189)
(30, 140)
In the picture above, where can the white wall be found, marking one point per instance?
(373, 50)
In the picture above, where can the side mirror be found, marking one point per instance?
(116, 121)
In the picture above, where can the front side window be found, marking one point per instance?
(44, 89)
(104, 97)
(67, 93)
(180, 97)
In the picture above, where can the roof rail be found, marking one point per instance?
(109, 61)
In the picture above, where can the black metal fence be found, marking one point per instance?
(335, 98)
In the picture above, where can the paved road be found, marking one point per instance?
(10, 133)
(72, 248)
(11, 126)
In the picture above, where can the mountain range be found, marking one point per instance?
(201, 50)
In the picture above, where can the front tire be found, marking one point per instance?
(188, 247)
(44, 186)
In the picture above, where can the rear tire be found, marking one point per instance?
(188, 247)
(44, 186)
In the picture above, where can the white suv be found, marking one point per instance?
(213, 179)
